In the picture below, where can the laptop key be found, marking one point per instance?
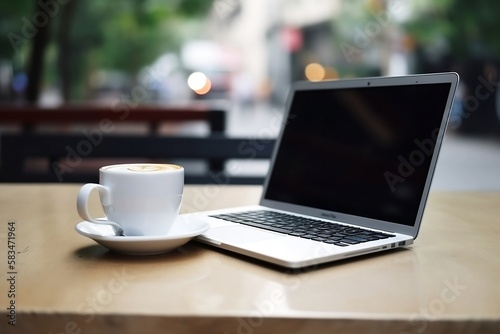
(382, 236)
(350, 241)
(266, 227)
(340, 244)
(356, 239)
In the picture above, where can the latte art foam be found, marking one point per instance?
(142, 168)
(147, 168)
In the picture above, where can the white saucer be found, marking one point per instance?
(183, 231)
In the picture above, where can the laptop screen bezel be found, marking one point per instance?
(419, 79)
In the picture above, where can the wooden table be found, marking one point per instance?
(447, 282)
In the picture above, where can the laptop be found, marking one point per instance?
(350, 172)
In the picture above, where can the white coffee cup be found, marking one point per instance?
(142, 199)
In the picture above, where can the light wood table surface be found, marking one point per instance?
(447, 282)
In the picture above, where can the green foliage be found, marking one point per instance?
(468, 27)
(122, 35)
(126, 35)
(11, 14)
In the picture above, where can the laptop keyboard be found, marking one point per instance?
(328, 232)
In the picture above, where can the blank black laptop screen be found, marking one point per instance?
(359, 151)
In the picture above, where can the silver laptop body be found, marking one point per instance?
(355, 152)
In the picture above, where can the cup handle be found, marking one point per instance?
(82, 203)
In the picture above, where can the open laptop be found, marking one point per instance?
(350, 172)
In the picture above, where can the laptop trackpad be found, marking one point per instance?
(239, 234)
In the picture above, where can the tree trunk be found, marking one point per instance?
(40, 43)
(64, 45)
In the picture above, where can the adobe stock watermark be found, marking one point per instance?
(30, 28)
(449, 294)
(363, 36)
(484, 90)
(94, 137)
(98, 301)
(226, 8)
(291, 281)
(407, 164)
(85, 147)
(248, 149)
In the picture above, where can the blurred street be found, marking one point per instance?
(467, 163)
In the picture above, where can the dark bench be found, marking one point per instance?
(61, 155)
(65, 153)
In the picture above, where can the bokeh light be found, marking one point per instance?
(199, 83)
(315, 72)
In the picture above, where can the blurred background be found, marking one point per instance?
(248, 52)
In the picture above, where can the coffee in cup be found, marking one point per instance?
(142, 199)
